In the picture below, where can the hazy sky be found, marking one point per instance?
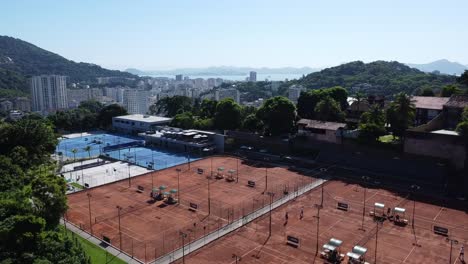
(152, 34)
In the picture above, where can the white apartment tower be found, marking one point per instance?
(295, 91)
(49, 93)
(136, 101)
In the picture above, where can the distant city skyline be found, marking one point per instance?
(153, 35)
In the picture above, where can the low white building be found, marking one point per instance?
(136, 123)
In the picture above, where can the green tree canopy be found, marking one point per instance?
(328, 109)
(171, 106)
(401, 114)
(91, 105)
(207, 108)
(449, 90)
(108, 112)
(252, 123)
(372, 124)
(184, 120)
(228, 114)
(427, 91)
(308, 100)
(463, 79)
(278, 115)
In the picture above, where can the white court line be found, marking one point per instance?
(440, 211)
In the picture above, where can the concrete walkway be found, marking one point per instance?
(195, 245)
(111, 250)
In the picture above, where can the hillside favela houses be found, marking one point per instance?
(437, 137)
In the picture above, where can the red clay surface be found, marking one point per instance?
(396, 244)
(151, 230)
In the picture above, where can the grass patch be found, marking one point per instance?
(388, 139)
(95, 252)
(76, 185)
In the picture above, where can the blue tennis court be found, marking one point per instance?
(154, 158)
(96, 142)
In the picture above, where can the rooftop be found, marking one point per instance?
(309, 123)
(445, 132)
(430, 102)
(145, 118)
(458, 101)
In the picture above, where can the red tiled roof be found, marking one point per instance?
(458, 101)
(430, 102)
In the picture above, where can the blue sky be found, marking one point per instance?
(152, 34)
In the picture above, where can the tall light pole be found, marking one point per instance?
(451, 241)
(318, 229)
(178, 185)
(376, 240)
(183, 235)
(271, 194)
(89, 208)
(234, 256)
(209, 197)
(414, 188)
(120, 230)
(365, 179)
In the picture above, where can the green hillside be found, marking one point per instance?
(379, 77)
(20, 60)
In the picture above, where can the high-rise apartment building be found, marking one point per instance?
(179, 77)
(49, 93)
(295, 91)
(136, 101)
(233, 93)
(253, 76)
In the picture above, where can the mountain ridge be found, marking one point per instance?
(443, 66)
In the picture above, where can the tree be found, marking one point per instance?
(278, 115)
(12, 176)
(359, 96)
(204, 124)
(171, 106)
(108, 112)
(329, 110)
(400, 114)
(449, 90)
(427, 91)
(252, 123)
(372, 124)
(88, 149)
(91, 105)
(462, 129)
(463, 79)
(184, 120)
(228, 115)
(74, 151)
(207, 108)
(308, 100)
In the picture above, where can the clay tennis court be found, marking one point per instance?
(395, 244)
(152, 229)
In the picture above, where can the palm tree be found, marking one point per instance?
(359, 96)
(74, 151)
(401, 114)
(88, 149)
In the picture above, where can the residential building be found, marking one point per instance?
(427, 108)
(253, 76)
(136, 101)
(15, 115)
(49, 93)
(179, 77)
(357, 108)
(22, 104)
(294, 92)
(453, 110)
(321, 130)
(6, 106)
(136, 123)
(233, 93)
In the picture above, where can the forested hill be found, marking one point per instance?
(20, 59)
(379, 77)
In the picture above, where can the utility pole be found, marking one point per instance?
(237, 258)
(209, 197)
(376, 240)
(183, 235)
(266, 180)
(414, 188)
(129, 181)
(120, 230)
(318, 229)
(178, 185)
(365, 178)
(89, 208)
(271, 202)
(451, 241)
